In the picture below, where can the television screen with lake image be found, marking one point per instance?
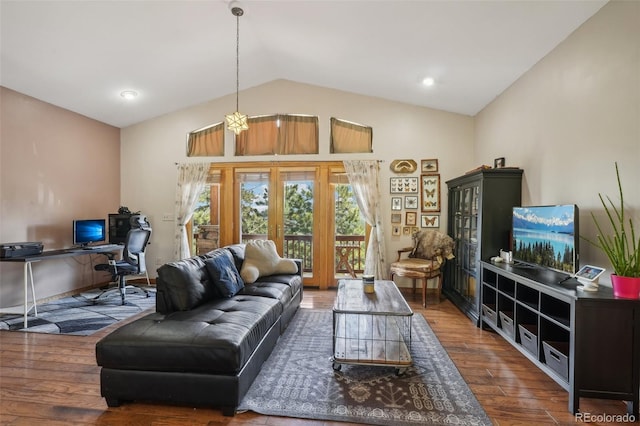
(547, 236)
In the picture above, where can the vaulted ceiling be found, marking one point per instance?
(80, 55)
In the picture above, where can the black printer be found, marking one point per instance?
(11, 250)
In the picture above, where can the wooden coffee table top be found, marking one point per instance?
(386, 300)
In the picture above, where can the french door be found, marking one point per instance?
(294, 204)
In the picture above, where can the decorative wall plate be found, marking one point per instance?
(403, 166)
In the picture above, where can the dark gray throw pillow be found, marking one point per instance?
(224, 274)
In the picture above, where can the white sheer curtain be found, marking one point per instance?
(363, 177)
(191, 180)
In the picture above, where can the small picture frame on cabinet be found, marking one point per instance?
(498, 163)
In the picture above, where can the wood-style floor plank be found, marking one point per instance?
(54, 380)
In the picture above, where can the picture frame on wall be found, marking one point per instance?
(396, 217)
(395, 230)
(430, 189)
(430, 221)
(403, 185)
(411, 219)
(396, 203)
(411, 202)
(406, 231)
(429, 166)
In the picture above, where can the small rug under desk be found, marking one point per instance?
(80, 314)
(298, 380)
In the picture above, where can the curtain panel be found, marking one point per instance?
(364, 179)
(207, 142)
(279, 134)
(192, 178)
(347, 137)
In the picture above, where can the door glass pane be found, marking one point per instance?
(298, 217)
(205, 220)
(349, 232)
(254, 205)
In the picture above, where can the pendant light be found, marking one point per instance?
(237, 122)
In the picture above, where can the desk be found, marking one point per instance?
(48, 255)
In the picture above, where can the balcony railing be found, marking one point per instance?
(349, 251)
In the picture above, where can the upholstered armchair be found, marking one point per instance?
(425, 260)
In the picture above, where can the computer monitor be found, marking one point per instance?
(88, 231)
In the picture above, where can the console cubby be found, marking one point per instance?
(557, 310)
(588, 342)
(528, 296)
(507, 286)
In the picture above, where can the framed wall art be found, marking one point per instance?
(429, 166)
(404, 185)
(411, 202)
(411, 219)
(396, 203)
(396, 217)
(430, 188)
(406, 230)
(430, 221)
(395, 230)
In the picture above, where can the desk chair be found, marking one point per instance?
(427, 256)
(133, 259)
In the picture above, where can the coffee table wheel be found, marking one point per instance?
(400, 371)
(337, 366)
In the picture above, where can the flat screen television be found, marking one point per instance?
(88, 231)
(547, 236)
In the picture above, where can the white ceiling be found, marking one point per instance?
(80, 55)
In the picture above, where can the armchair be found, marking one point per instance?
(133, 258)
(426, 257)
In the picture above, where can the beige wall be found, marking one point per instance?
(56, 166)
(574, 114)
(400, 131)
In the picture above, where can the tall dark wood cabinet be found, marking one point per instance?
(479, 220)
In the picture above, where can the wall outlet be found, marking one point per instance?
(167, 217)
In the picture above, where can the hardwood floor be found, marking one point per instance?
(54, 380)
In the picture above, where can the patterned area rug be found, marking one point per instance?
(79, 314)
(298, 380)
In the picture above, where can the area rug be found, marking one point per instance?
(80, 314)
(298, 380)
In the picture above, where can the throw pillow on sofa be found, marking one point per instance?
(261, 259)
(223, 273)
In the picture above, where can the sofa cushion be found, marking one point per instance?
(223, 273)
(185, 284)
(261, 259)
(217, 337)
(280, 287)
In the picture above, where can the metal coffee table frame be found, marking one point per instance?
(371, 328)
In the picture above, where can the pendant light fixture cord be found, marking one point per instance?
(237, 11)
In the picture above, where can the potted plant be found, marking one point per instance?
(621, 246)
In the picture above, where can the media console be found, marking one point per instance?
(588, 342)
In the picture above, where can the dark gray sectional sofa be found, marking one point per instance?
(205, 345)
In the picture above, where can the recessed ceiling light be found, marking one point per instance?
(129, 94)
(428, 81)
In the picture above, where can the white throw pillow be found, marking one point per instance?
(261, 259)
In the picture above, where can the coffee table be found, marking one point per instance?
(371, 328)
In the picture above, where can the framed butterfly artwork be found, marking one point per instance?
(430, 189)
(430, 221)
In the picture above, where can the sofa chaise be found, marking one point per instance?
(218, 317)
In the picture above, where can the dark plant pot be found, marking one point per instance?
(627, 287)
